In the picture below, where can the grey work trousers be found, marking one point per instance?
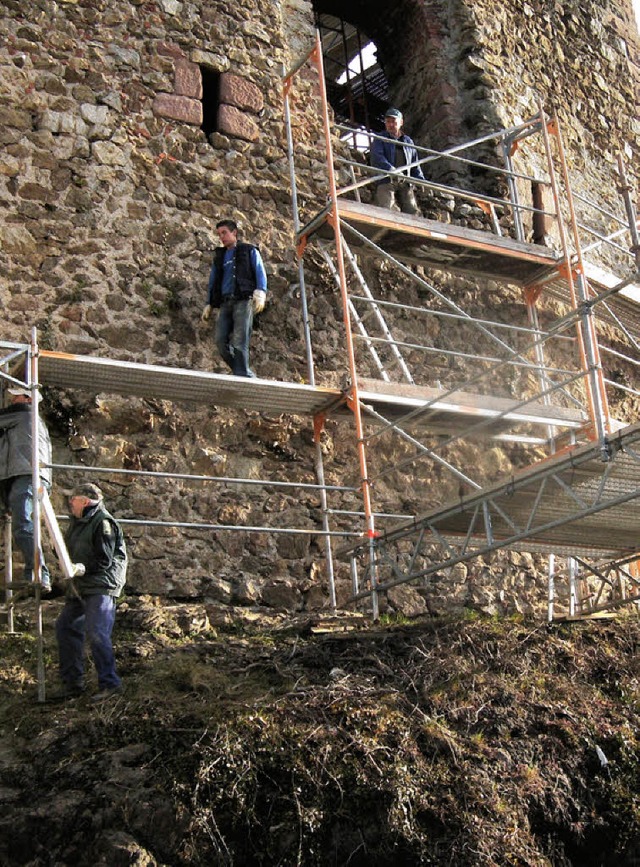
(388, 191)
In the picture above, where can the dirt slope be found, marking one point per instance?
(252, 741)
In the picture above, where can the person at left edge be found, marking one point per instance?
(238, 287)
(94, 538)
(16, 476)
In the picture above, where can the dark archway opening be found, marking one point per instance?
(403, 68)
(416, 71)
(357, 87)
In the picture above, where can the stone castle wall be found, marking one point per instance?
(110, 191)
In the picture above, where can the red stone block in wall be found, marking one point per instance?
(233, 122)
(238, 91)
(178, 108)
(188, 79)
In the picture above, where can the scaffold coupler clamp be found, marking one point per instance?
(607, 450)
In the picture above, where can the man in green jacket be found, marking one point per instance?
(94, 539)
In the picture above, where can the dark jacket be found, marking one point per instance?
(383, 155)
(245, 276)
(15, 443)
(96, 541)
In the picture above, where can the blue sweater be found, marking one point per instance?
(383, 155)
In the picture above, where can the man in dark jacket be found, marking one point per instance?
(238, 286)
(16, 475)
(94, 539)
(396, 152)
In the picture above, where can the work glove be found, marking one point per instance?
(206, 313)
(259, 300)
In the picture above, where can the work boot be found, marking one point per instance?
(106, 693)
(45, 580)
(384, 195)
(67, 692)
(45, 589)
(407, 200)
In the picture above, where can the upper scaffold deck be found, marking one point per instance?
(390, 400)
(420, 241)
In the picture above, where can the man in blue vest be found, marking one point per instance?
(395, 152)
(238, 287)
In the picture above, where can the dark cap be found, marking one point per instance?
(393, 112)
(91, 492)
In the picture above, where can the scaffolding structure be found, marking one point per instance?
(582, 499)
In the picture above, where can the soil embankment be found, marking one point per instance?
(465, 742)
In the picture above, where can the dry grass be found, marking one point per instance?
(468, 742)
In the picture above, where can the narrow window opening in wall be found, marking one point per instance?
(357, 87)
(539, 221)
(210, 100)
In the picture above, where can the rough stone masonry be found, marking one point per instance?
(129, 128)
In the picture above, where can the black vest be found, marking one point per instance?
(245, 283)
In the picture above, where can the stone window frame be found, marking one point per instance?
(239, 101)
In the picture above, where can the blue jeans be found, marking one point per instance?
(233, 333)
(20, 503)
(93, 616)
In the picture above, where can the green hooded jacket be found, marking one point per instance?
(96, 541)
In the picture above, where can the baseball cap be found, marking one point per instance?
(24, 391)
(88, 490)
(393, 112)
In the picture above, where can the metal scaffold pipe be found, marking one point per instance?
(354, 402)
(595, 394)
(600, 416)
(32, 383)
(223, 480)
(319, 461)
(8, 572)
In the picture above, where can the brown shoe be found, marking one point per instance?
(104, 694)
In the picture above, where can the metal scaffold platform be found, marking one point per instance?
(94, 374)
(567, 503)
(458, 249)
(419, 241)
(582, 499)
